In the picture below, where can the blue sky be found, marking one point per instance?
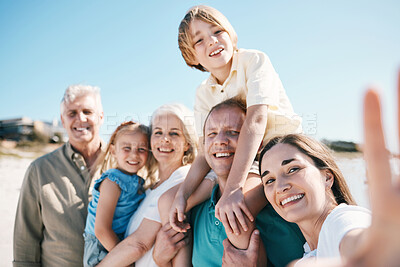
(326, 53)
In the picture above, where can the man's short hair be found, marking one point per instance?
(74, 91)
(238, 101)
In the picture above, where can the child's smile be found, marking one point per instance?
(213, 47)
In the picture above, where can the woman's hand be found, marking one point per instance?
(382, 239)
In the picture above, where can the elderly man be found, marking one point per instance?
(283, 241)
(52, 207)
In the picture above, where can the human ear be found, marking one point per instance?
(112, 150)
(187, 147)
(329, 178)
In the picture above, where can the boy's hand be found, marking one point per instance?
(177, 214)
(230, 207)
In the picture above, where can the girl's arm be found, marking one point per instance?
(108, 199)
(193, 179)
(134, 246)
(231, 204)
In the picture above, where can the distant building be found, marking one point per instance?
(25, 129)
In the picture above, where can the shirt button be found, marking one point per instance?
(82, 168)
(216, 223)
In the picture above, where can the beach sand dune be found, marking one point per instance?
(12, 171)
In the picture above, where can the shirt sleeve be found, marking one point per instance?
(200, 109)
(153, 214)
(263, 82)
(344, 220)
(28, 228)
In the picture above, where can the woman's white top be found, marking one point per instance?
(148, 209)
(337, 224)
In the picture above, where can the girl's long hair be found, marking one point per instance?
(107, 161)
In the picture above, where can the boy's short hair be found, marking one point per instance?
(206, 14)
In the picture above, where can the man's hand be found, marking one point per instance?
(167, 245)
(238, 257)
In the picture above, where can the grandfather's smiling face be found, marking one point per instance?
(221, 134)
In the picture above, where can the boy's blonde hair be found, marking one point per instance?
(107, 161)
(206, 14)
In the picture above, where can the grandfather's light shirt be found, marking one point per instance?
(253, 76)
(52, 210)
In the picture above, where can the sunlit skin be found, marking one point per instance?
(168, 143)
(221, 134)
(130, 151)
(213, 48)
(82, 119)
(297, 189)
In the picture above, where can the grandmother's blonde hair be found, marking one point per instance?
(186, 116)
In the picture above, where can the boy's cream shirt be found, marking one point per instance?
(253, 75)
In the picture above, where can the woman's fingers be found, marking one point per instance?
(375, 152)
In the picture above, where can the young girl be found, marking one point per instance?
(208, 42)
(116, 195)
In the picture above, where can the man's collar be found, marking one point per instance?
(215, 195)
(74, 153)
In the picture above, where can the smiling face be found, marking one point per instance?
(221, 134)
(294, 186)
(130, 151)
(82, 119)
(168, 142)
(213, 47)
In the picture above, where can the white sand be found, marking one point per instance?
(12, 171)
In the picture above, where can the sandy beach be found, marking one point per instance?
(12, 170)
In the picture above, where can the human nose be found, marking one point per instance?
(212, 40)
(135, 152)
(282, 185)
(82, 116)
(165, 138)
(221, 139)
